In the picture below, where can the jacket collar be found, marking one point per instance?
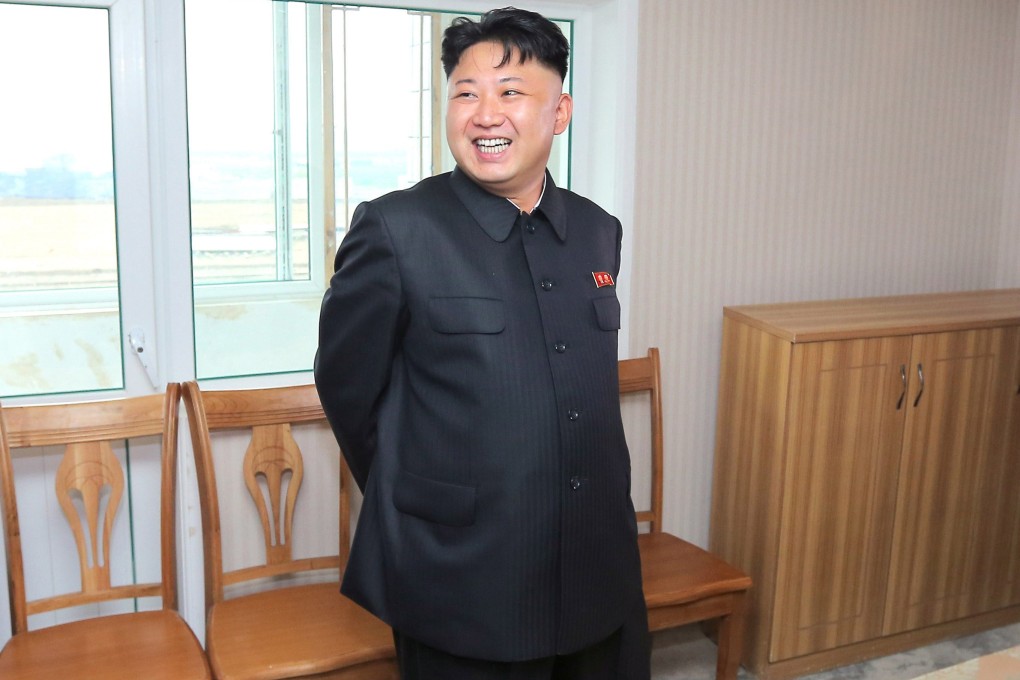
(497, 216)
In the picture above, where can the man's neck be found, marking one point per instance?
(528, 206)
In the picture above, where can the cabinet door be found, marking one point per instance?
(1007, 537)
(844, 435)
(951, 506)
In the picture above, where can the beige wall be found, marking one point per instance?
(1009, 234)
(809, 149)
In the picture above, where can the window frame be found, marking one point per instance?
(135, 293)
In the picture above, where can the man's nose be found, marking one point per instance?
(489, 112)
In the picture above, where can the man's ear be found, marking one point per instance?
(564, 110)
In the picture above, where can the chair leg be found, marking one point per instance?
(730, 640)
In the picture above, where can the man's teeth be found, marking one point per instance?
(492, 145)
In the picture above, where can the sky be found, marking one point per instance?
(54, 104)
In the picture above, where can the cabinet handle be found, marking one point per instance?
(903, 377)
(920, 376)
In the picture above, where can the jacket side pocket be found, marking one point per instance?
(434, 501)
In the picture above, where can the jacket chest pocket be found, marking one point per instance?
(607, 313)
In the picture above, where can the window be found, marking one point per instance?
(59, 304)
(312, 110)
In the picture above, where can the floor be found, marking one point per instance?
(686, 654)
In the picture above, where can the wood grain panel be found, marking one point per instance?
(1013, 452)
(1002, 534)
(747, 482)
(843, 444)
(813, 321)
(947, 469)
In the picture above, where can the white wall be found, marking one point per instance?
(810, 149)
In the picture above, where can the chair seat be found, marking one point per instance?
(703, 574)
(297, 631)
(155, 645)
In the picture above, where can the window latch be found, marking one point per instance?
(136, 338)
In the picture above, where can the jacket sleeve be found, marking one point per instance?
(360, 326)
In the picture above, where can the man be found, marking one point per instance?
(467, 364)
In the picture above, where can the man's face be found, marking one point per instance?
(500, 121)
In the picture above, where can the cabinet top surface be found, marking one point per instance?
(882, 316)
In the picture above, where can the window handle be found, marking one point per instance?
(920, 376)
(136, 338)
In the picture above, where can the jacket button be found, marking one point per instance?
(573, 414)
(575, 482)
(546, 284)
(560, 347)
(530, 227)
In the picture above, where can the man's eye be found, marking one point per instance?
(463, 95)
(510, 93)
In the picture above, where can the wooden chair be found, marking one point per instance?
(682, 583)
(90, 485)
(294, 629)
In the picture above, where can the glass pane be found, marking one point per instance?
(383, 114)
(248, 151)
(59, 309)
(247, 141)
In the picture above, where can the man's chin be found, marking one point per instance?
(493, 182)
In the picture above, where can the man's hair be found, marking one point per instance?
(529, 33)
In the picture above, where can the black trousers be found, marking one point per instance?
(624, 655)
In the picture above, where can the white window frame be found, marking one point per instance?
(139, 265)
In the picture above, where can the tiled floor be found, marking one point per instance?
(1004, 665)
(685, 654)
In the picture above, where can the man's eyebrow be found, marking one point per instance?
(504, 79)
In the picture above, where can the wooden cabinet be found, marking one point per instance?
(866, 472)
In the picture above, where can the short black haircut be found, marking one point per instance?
(530, 33)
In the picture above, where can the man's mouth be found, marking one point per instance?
(492, 146)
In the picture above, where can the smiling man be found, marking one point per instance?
(467, 363)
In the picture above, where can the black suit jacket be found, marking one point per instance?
(467, 363)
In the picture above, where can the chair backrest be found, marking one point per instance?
(272, 471)
(641, 375)
(90, 483)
